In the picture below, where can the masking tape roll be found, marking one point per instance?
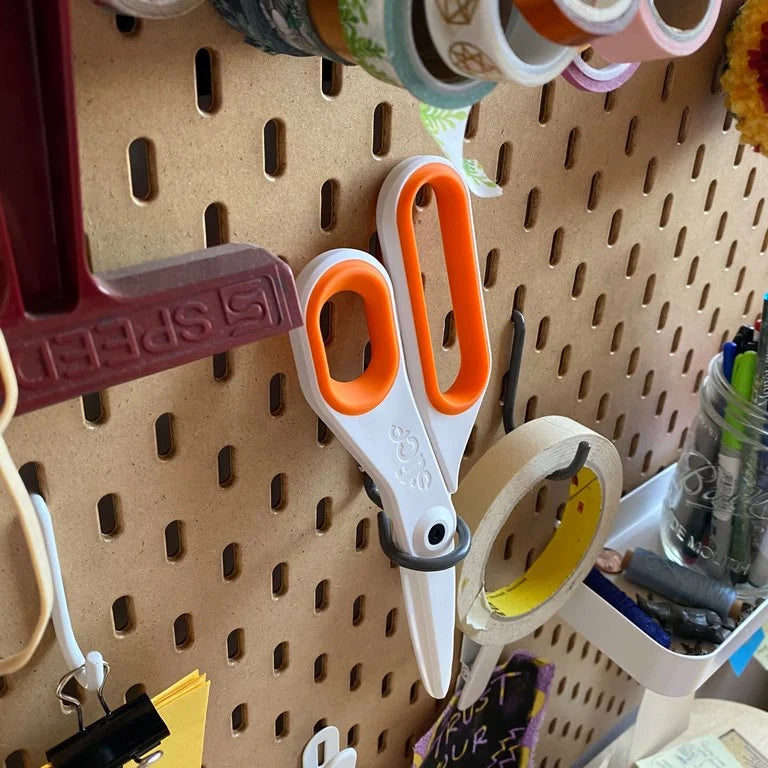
(582, 75)
(660, 29)
(488, 495)
(248, 17)
(478, 42)
(575, 22)
(381, 35)
(150, 9)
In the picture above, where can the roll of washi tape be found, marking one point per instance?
(493, 41)
(660, 29)
(248, 17)
(390, 40)
(292, 21)
(150, 9)
(575, 22)
(325, 17)
(582, 75)
(489, 494)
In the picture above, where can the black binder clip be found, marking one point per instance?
(129, 733)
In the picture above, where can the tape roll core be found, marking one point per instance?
(489, 494)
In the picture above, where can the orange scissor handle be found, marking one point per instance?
(463, 281)
(367, 391)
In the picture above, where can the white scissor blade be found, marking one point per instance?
(431, 595)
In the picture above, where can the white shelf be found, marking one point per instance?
(661, 670)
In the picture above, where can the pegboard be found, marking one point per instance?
(207, 520)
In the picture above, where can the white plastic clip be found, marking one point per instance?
(478, 661)
(90, 668)
(322, 751)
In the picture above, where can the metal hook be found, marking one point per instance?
(149, 759)
(67, 699)
(370, 489)
(579, 460)
(512, 376)
(425, 564)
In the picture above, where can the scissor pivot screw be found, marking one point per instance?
(436, 534)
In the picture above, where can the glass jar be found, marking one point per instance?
(715, 515)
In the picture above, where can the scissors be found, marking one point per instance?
(394, 419)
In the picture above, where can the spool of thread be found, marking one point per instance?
(680, 584)
(627, 607)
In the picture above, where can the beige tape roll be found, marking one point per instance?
(489, 494)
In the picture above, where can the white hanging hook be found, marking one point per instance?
(90, 668)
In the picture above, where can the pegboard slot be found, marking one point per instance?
(204, 81)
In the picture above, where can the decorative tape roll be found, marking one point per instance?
(575, 22)
(582, 75)
(381, 35)
(292, 21)
(488, 495)
(660, 29)
(150, 9)
(492, 41)
(248, 17)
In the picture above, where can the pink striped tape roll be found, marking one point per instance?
(582, 75)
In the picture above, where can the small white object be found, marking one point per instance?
(91, 667)
(653, 666)
(322, 751)
(479, 661)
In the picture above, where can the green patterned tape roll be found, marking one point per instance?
(381, 36)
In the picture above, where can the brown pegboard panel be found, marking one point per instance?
(631, 232)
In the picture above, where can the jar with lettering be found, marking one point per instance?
(715, 515)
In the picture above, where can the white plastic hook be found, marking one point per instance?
(479, 661)
(91, 667)
(322, 751)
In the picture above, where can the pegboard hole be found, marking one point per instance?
(423, 197)
(358, 611)
(556, 632)
(164, 441)
(122, 615)
(698, 161)
(687, 362)
(321, 596)
(618, 429)
(320, 668)
(277, 492)
(648, 383)
(509, 546)
(676, 340)
(615, 229)
(381, 743)
(731, 254)
(570, 151)
(692, 270)
(660, 403)
(386, 685)
(473, 122)
(715, 86)
(542, 334)
(449, 330)
(629, 144)
(609, 101)
(618, 335)
(740, 280)
(109, 518)
(126, 25)
(530, 408)
(410, 743)
(721, 227)
(280, 658)
(685, 120)
(705, 297)
(650, 176)
(274, 148)
(18, 759)
(469, 448)
(739, 156)
(546, 103)
(650, 285)
(552, 725)
(93, 408)
(672, 423)
(353, 735)
(531, 209)
(355, 677)
(134, 692)
(331, 78)
(323, 435)
(235, 645)
(361, 534)
(599, 310)
(183, 636)
(541, 500)
(710, 201)
(595, 188)
(632, 261)
(666, 210)
(748, 303)
(584, 385)
(697, 382)
(230, 562)
(578, 280)
(282, 726)
(391, 623)
(565, 361)
(225, 466)
(634, 357)
(504, 164)
(174, 540)
(31, 473)
(239, 719)
(329, 194)
(758, 212)
(491, 268)
(277, 394)
(680, 243)
(220, 365)
(750, 183)
(633, 445)
(669, 75)
(518, 301)
(602, 407)
(204, 81)
(556, 249)
(382, 129)
(279, 580)
(323, 515)
(141, 170)
(215, 225)
(4, 687)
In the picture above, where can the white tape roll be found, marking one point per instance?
(150, 9)
(475, 41)
(488, 495)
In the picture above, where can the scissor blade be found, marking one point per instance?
(430, 602)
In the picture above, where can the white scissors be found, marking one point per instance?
(394, 419)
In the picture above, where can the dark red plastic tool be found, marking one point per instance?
(71, 332)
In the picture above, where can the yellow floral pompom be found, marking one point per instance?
(746, 79)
